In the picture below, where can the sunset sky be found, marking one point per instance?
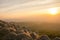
(27, 9)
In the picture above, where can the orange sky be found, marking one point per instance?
(28, 9)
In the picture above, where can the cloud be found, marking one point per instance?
(11, 5)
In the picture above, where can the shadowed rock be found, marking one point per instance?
(4, 32)
(57, 38)
(10, 36)
(44, 37)
(34, 35)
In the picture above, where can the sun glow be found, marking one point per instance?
(53, 11)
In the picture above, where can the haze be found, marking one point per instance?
(29, 10)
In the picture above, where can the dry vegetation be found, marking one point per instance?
(29, 31)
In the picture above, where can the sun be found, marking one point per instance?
(53, 11)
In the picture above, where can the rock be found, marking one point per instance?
(44, 37)
(57, 38)
(23, 37)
